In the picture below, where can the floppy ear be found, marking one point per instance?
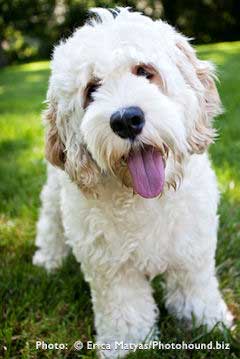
(76, 161)
(83, 170)
(201, 77)
(54, 148)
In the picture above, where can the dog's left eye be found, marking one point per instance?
(141, 71)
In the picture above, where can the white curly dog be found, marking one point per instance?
(131, 190)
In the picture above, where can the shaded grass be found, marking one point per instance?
(57, 307)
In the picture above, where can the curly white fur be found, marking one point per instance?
(123, 240)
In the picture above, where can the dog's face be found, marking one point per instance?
(128, 98)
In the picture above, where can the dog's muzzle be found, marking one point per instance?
(127, 122)
(145, 164)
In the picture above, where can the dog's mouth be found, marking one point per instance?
(147, 170)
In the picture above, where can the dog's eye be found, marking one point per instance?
(141, 71)
(91, 89)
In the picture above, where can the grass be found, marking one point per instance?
(57, 307)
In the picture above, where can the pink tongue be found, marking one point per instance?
(147, 171)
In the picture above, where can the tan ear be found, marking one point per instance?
(76, 162)
(83, 170)
(54, 148)
(201, 77)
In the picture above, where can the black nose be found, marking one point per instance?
(127, 122)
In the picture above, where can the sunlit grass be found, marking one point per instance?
(57, 308)
(31, 67)
(226, 152)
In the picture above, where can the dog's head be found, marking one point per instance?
(128, 98)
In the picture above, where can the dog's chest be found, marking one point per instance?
(141, 230)
(126, 227)
(118, 227)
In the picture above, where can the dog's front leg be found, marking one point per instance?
(50, 240)
(192, 292)
(125, 311)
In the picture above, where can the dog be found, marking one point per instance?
(130, 188)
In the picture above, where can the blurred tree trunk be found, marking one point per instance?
(3, 58)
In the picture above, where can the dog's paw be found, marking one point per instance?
(221, 317)
(198, 311)
(112, 350)
(216, 315)
(120, 348)
(41, 259)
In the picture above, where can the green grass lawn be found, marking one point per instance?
(57, 307)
